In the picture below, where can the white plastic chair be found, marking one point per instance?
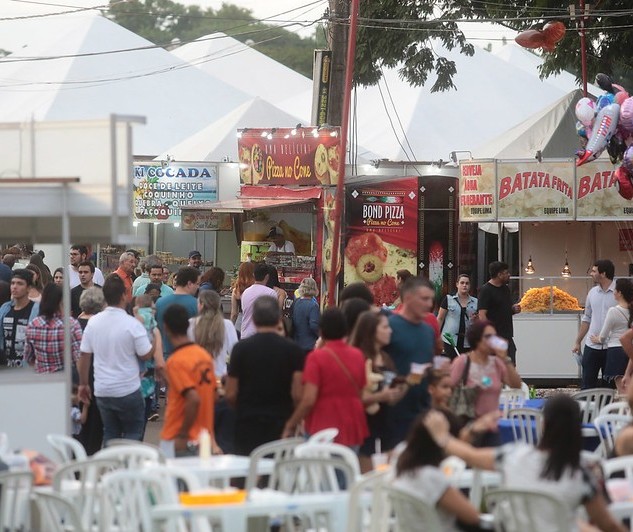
(621, 465)
(324, 436)
(622, 511)
(411, 512)
(527, 425)
(367, 508)
(330, 450)
(56, 513)
(517, 510)
(132, 456)
(122, 442)
(592, 401)
(79, 482)
(619, 407)
(277, 450)
(510, 399)
(15, 492)
(66, 448)
(608, 427)
(127, 497)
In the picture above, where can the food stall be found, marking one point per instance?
(284, 176)
(568, 217)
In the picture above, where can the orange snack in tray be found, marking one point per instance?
(538, 300)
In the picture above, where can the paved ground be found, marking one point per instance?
(152, 431)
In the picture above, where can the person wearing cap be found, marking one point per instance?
(15, 315)
(195, 259)
(280, 244)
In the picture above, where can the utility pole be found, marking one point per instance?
(337, 41)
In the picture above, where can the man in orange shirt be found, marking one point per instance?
(127, 263)
(191, 388)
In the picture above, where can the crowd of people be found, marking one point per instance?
(281, 367)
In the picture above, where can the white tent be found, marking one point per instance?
(551, 131)
(529, 61)
(250, 71)
(218, 141)
(87, 83)
(401, 122)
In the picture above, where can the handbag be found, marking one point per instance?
(462, 401)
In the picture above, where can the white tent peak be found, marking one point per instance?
(148, 81)
(251, 71)
(218, 140)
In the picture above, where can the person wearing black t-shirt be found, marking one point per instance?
(15, 315)
(86, 271)
(495, 304)
(264, 379)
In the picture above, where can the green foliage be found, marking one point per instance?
(165, 22)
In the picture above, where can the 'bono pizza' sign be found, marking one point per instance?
(289, 156)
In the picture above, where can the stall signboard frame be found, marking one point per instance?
(547, 190)
(289, 156)
(161, 190)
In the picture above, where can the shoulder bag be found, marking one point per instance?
(462, 401)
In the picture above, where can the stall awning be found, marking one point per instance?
(260, 197)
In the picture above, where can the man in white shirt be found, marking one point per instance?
(249, 296)
(79, 254)
(599, 300)
(118, 342)
(280, 244)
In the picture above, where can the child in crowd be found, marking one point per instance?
(144, 311)
(78, 411)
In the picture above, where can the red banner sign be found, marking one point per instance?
(302, 156)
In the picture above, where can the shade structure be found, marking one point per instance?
(84, 66)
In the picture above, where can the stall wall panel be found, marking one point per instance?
(33, 408)
(544, 345)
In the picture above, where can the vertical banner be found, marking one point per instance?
(532, 190)
(477, 191)
(381, 235)
(321, 71)
(160, 192)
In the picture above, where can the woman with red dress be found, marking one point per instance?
(333, 377)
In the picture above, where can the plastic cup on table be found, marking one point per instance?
(380, 461)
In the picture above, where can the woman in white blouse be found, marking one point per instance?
(616, 323)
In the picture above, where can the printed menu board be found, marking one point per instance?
(597, 194)
(160, 192)
(477, 191)
(381, 235)
(529, 190)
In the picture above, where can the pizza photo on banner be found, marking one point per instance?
(381, 235)
(284, 156)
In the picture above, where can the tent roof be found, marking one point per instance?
(552, 131)
(251, 71)
(530, 62)
(491, 96)
(218, 139)
(176, 99)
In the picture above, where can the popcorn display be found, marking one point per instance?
(540, 300)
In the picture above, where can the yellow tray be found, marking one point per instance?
(230, 497)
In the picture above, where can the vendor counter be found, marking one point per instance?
(544, 343)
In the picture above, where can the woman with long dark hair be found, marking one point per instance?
(553, 468)
(44, 342)
(417, 471)
(35, 290)
(58, 276)
(212, 279)
(245, 278)
(371, 334)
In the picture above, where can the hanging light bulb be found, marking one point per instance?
(529, 269)
(566, 271)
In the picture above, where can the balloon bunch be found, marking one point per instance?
(608, 124)
(547, 38)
